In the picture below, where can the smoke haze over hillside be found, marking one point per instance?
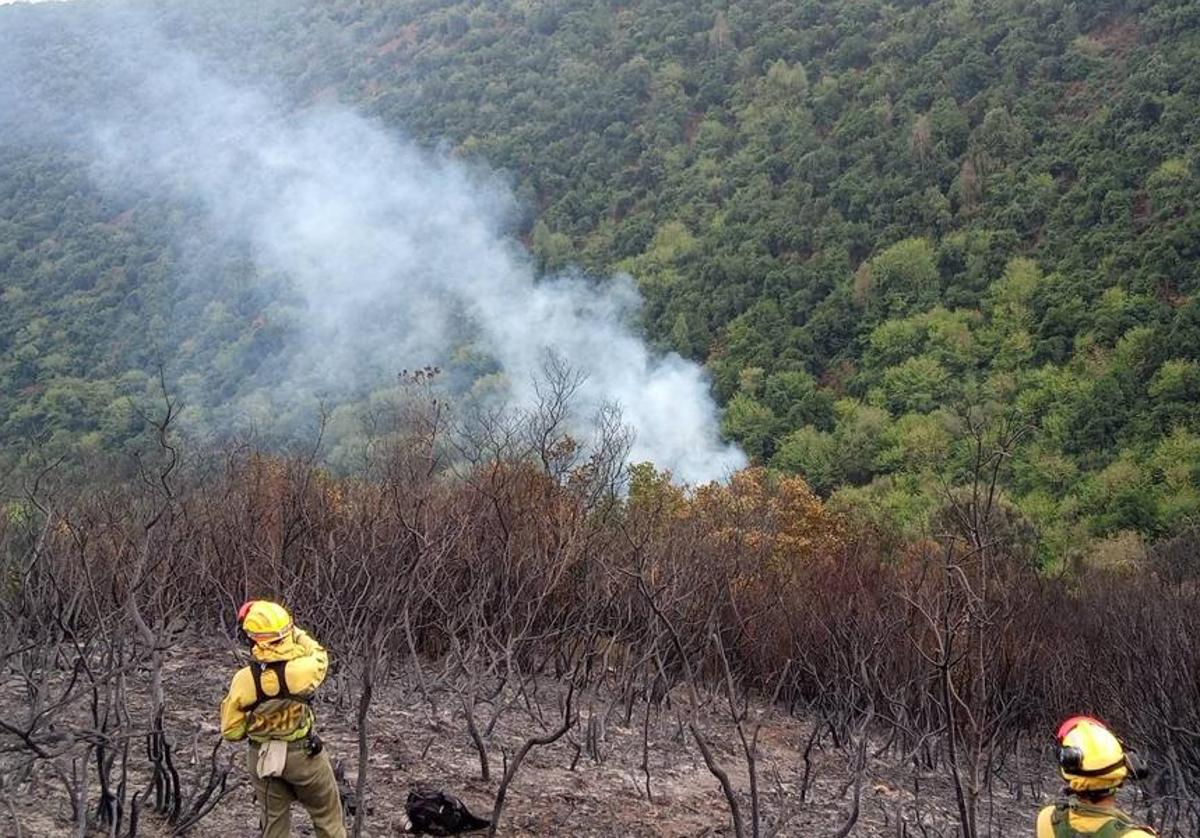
(390, 257)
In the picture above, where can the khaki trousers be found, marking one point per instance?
(307, 779)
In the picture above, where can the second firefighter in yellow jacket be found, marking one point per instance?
(269, 703)
(1094, 764)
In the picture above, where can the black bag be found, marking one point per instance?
(433, 812)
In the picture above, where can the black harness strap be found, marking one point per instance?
(1118, 822)
(257, 668)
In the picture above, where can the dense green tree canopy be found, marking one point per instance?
(861, 216)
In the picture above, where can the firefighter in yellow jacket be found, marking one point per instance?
(1094, 764)
(268, 702)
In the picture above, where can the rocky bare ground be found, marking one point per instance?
(560, 789)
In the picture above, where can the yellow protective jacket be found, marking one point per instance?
(1076, 818)
(258, 705)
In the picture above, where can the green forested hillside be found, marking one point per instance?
(863, 216)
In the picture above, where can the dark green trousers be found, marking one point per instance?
(306, 779)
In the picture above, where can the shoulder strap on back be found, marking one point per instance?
(1117, 825)
(1114, 828)
(1060, 820)
(257, 668)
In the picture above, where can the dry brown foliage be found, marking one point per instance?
(479, 559)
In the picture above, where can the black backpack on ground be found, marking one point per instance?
(433, 812)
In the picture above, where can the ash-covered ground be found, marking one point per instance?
(564, 789)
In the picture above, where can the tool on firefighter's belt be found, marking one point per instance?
(313, 745)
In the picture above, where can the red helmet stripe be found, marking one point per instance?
(1074, 722)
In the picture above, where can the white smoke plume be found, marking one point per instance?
(398, 256)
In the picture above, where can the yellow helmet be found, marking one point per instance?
(1090, 757)
(264, 621)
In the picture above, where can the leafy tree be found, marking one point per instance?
(918, 443)
(860, 436)
(1177, 459)
(753, 424)
(1175, 393)
(1121, 496)
(811, 453)
(900, 279)
(917, 385)
(797, 400)
(877, 206)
